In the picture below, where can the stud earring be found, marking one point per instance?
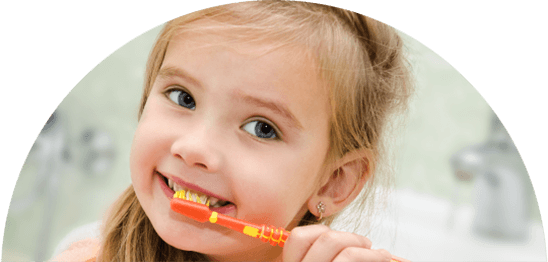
(321, 209)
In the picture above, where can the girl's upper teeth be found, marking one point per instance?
(192, 195)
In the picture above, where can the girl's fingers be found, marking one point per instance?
(300, 241)
(320, 243)
(329, 244)
(362, 254)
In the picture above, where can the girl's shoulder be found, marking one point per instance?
(80, 244)
(82, 250)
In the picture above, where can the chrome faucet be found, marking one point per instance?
(53, 154)
(501, 193)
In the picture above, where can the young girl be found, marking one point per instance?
(272, 110)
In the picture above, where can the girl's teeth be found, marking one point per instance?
(218, 203)
(192, 195)
(177, 187)
(213, 201)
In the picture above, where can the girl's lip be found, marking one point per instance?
(168, 191)
(226, 210)
(190, 186)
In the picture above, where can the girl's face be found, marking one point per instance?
(244, 123)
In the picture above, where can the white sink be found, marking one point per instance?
(416, 227)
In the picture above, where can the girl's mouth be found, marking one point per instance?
(196, 196)
(215, 204)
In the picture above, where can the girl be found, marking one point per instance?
(272, 110)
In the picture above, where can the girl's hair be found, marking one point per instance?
(359, 59)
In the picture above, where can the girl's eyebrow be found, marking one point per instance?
(278, 108)
(167, 72)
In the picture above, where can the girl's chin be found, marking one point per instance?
(184, 237)
(197, 239)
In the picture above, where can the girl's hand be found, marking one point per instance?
(320, 243)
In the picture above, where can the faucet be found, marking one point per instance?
(53, 153)
(501, 184)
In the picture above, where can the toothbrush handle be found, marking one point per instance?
(202, 213)
(229, 222)
(263, 232)
(273, 235)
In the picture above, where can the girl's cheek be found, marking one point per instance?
(141, 153)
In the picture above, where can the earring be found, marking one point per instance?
(321, 209)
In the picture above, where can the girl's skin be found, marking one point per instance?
(200, 125)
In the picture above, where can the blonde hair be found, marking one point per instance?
(359, 59)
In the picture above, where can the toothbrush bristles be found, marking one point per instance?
(180, 194)
(191, 197)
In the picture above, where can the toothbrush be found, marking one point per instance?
(201, 213)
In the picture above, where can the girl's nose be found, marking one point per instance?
(197, 149)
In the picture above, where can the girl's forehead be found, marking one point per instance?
(224, 46)
(243, 38)
(189, 41)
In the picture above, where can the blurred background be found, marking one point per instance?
(461, 190)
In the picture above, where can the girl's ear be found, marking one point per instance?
(347, 177)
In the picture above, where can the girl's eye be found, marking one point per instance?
(182, 98)
(261, 129)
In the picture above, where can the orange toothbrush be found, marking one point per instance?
(202, 213)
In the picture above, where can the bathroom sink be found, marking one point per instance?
(417, 227)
